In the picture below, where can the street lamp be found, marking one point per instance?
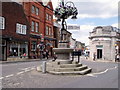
(64, 11)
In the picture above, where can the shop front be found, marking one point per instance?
(17, 50)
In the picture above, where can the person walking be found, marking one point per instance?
(54, 56)
(94, 56)
(47, 54)
(117, 58)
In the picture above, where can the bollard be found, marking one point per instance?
(44, 67)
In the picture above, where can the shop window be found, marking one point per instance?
(34, 45)
(2, 22)
(13, 51)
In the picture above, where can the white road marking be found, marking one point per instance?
(106, 70)
(33, 68)
(20, 73)
(91, 75)
(9, 75)
(27, 70)
(1, 77)
(95, 74)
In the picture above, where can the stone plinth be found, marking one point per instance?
(63, 53)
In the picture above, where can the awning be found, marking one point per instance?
(51, 39)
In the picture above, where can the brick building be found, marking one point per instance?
(15, 31)
(56, 29)
(40, 17)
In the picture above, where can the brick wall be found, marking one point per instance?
(13, 13)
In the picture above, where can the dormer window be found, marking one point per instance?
(48, 6)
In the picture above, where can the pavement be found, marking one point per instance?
(24, 60)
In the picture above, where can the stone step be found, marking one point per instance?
(70, 65)
(83, 72)
(71, 69)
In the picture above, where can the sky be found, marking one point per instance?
(92, 13)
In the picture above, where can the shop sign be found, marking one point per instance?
(99, 46)
(101, 39)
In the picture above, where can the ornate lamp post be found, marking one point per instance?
(64, 11)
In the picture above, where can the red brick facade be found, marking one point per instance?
(36, 13)
(14, 44)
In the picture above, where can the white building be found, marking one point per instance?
(103, 42)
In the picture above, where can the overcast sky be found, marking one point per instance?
(92, 13)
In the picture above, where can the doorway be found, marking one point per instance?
(99, 53)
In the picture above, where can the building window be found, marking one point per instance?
(24, 28)
(2, 22)
(50, 31)
(21, 29)
(37, 26)
(33, 26)
(47, 30)
(33, 9)
(48, 6)
(34, 45)
(50, 17)
(47, 17)
(37, 11)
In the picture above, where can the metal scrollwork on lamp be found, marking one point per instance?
(64, 11)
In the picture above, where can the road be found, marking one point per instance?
(24, 75)
(12, 68)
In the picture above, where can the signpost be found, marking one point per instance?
(76, 53)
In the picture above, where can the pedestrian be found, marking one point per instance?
(54, 56)
(86, 55)
(24, 55)
(117, 57)
(94, 56)
(44, 54)
(47, 54)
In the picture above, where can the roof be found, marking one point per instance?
(107, 28)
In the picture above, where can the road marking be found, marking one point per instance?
(27, 70)
(9, 75)
(95, 74)
(91, 75)
(1, 77)
(33, 68)
(20, 73)
(106, 70)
